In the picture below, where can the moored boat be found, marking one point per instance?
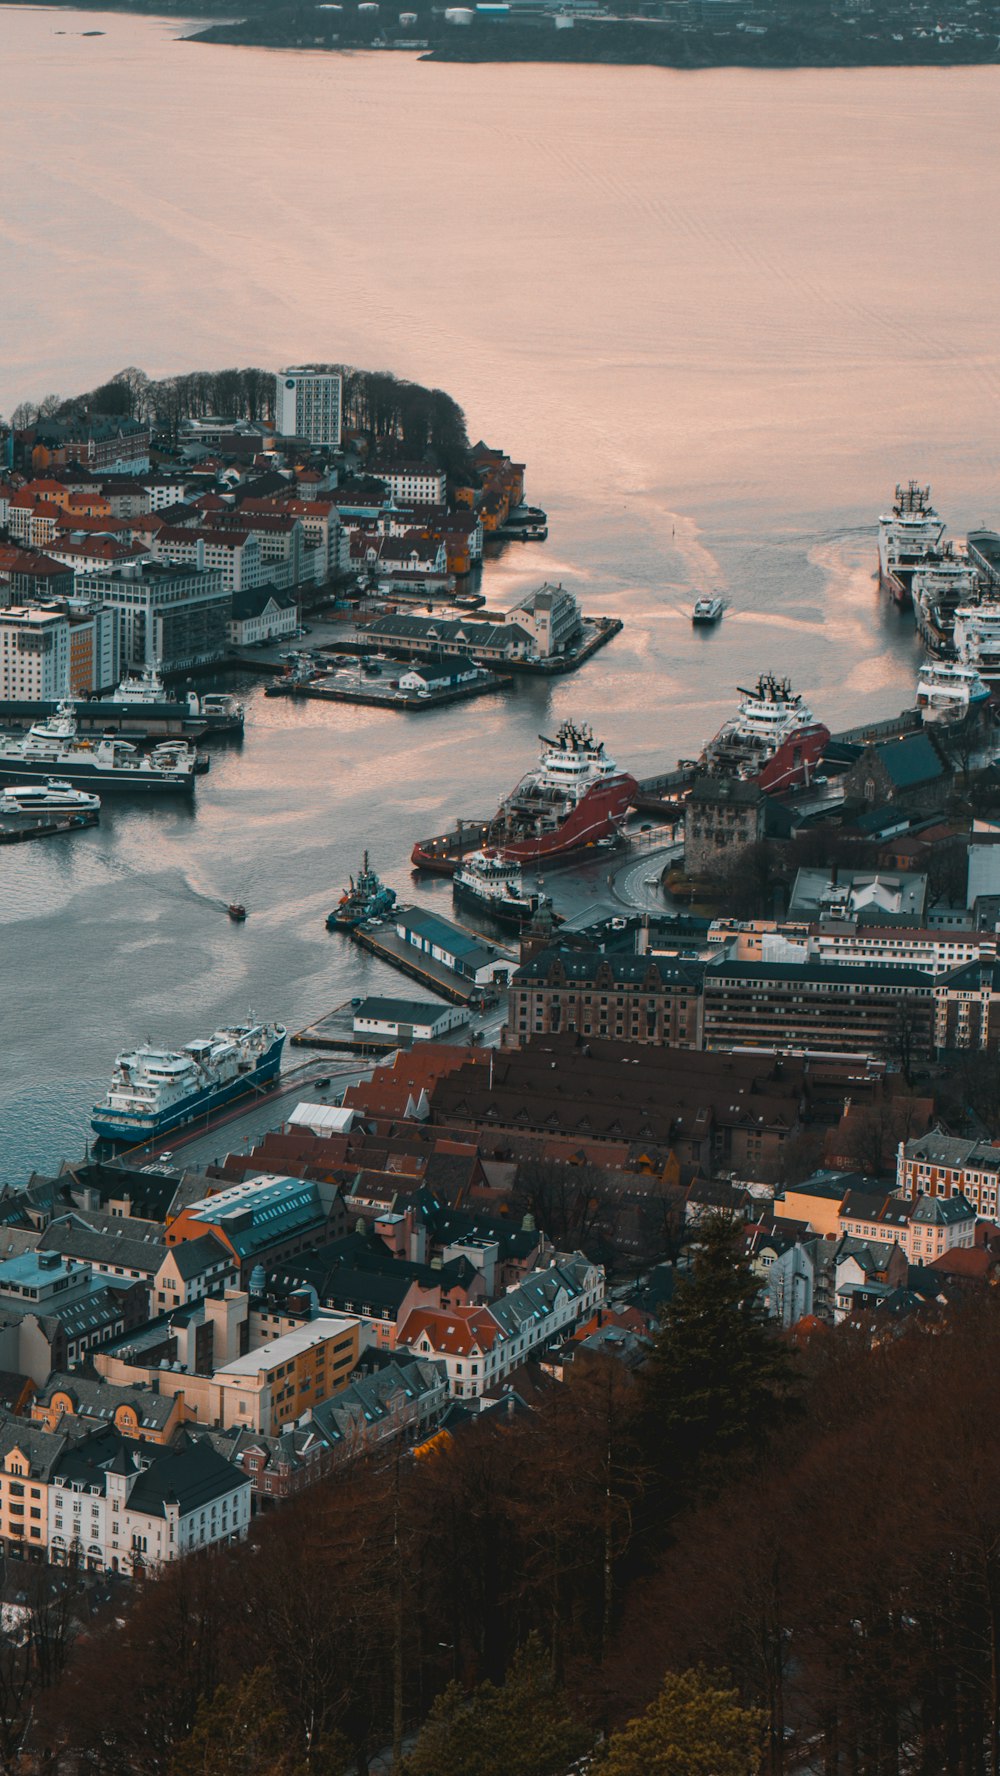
(906, 536)
(574, 798)
(365, 897)
(773, 740)
(54, 747)
(977, 638)
(949, 694)
(495, 885)
(154, 1090)
(54, 796)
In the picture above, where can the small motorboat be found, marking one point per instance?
(237, 911)
(707, 610)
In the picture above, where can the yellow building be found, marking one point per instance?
(817, 1201)
(272, 1386)
(27, 1455)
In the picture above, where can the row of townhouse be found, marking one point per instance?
(479, 1346)
(98, 1500)
(950, 1167)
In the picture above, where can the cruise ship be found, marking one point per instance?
(495, 885)
(947, 695)
(906, 535)
(977, 638)
(154, 1090)
(573, 799)
(54, 748)
(945, 580)
(773, 740)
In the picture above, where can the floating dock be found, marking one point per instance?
(384, 696)
(46, 829)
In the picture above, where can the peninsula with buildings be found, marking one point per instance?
(622, 1223)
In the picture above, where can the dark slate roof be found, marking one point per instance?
(67, 1237)
(853, 975)
(625, 970)
(255, 599)
(193, 1256)
(94, 1397)
(911, 761)
(189, 1474)
(402, 1011)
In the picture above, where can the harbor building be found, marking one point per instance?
(171, 617)
(308, 404)
(552, 616)
(262, 613)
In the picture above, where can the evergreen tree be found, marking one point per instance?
(719, 1378)
(523, 1728)
(695, 1727)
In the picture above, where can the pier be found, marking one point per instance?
(384, 696)
(46, 829)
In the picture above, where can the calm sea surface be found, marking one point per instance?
(719, 315)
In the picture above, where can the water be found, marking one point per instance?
(719, 315)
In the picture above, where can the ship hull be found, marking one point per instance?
(136, 1127)
(87, 775)
(598, 815)
(795, 761)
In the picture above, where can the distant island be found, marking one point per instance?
(661, 33)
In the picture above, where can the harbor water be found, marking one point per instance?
(718, 315)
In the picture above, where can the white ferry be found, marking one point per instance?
(906, 535)
(948, 694)
(707, 611)
(495, 885)
(52, 797)
(154, 1090)
(54, 748)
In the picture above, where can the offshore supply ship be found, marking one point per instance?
(495, 885)
(154, 1090)
(906, 536)
(773, 740)
(574, 798)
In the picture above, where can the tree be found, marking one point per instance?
(695, 1727)
(245, 1732)
(719, 1379)
(524, 1728)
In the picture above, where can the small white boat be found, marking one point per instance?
(707, 610)
(54, 796)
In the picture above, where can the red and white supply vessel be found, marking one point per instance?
(573, 799)
(906, 537)
(774, 740)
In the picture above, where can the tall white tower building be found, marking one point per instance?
(307, 405)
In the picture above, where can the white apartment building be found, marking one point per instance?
(34, 654)
(416, 482)
(115, 1506)
(234, 554)
(308, 405)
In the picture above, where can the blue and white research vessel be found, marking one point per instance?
(154, 1090)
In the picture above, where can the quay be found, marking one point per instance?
(136, 722)
(336, 1030)
(380, 696)
(457, 963)
(597, 633)
(46, 829)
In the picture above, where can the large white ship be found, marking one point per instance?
(154, 1090)
(977, 638)
(54, 748)
(145, 689)
(945, 580)
(947, 694)
(906, 536)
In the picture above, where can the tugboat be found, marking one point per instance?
(495, 885)
(364, 898)
(237, 911)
